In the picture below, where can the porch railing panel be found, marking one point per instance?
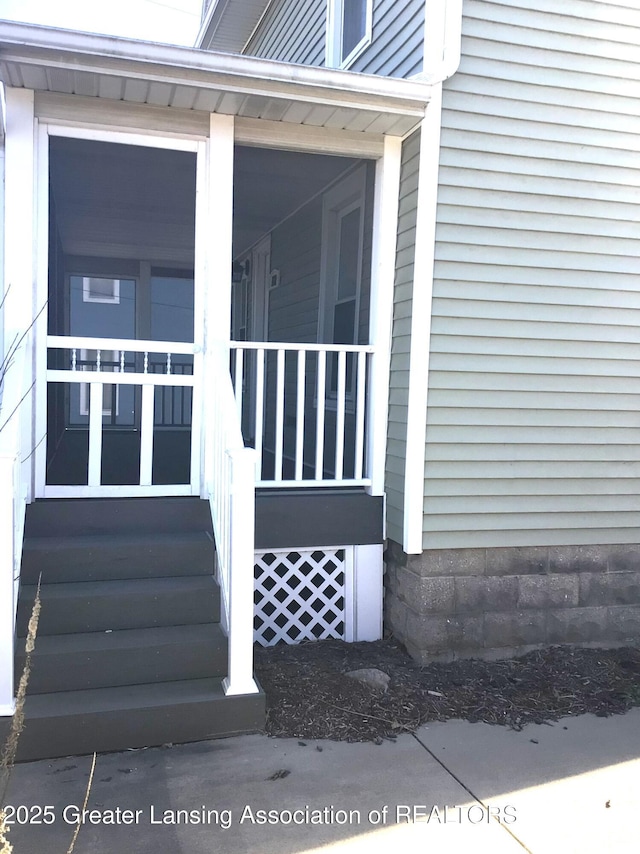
(15, 480)
(303, 407)
(231, 492)
(163, 371)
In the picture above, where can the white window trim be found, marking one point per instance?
(340, 200)
(333, 53)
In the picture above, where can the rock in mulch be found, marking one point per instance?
(371, 676)
(311, 695)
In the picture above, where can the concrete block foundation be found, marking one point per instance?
(491, 603)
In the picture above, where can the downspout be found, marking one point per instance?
(442, 46)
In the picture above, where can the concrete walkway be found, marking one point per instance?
(570, 787)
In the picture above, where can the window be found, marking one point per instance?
(96, 289)
(348, 31)
(341, 272)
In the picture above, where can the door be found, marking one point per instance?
(124, 343)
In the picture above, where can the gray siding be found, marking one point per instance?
(291, 31)
(532, 431)
(399, 377)
(295, 31)
(396, 47)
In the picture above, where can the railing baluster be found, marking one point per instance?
(279, 438)
(259, 422)
(300, 389)
(340, 407)
(360, 410)
(239, 378)
(321, 390)
(95, 434)
(146, 436)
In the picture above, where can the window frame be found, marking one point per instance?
(335, 21)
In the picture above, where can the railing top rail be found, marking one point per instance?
(288, 345)
(68, 342)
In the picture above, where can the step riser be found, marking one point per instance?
(77, 671)
(77, 734)
(116, 561)
(142, 610)
(103, 516)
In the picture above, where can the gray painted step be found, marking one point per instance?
(111, 516)
(126, 657)
(105, 719)
(106, 556)
(95, 606)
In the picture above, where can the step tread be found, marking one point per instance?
(121, 698)
(123, 639)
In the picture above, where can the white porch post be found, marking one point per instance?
(239, 596)
(385, 228)
(16, 439)
(217, 238)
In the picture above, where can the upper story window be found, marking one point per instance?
(348, 31)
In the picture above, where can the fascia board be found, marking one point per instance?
(79, 51)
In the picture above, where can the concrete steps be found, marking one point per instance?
(129, 651)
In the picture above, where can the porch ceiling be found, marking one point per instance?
(65, 61)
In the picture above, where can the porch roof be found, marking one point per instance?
(66, 61)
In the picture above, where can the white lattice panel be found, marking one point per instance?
(299, 595)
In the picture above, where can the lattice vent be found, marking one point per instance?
(299, 595)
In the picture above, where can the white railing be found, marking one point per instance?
(231, 491)
(15, 478)
(96, 363)
(304, 409)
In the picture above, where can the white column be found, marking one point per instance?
(240, 670)
(7, 599)
(383, 259)
(18, 285)
(215, 238)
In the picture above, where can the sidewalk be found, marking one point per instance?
(570, 787)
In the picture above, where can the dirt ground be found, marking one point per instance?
(309, 695)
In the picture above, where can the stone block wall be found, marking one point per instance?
(457, 603)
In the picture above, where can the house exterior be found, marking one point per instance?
(349, 275)
(515, 307)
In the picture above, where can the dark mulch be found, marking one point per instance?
(309, 695)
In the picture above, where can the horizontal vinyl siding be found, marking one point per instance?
(399, 377)
(397, 42)
(533, 412)
(291, 31)
(295, 31)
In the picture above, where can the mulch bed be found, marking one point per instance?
(309, 695)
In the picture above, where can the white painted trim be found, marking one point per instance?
(117, 491)
(383, 261)
(333, 41)
(148, 139)
(419, 353)
(350, 593)
(42, 297)
(7, 599)
(289, 137)
(128, 58)
(200, 305)
(368, 585)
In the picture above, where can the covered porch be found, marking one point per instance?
(242, 215)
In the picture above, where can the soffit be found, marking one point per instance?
(67, 62)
